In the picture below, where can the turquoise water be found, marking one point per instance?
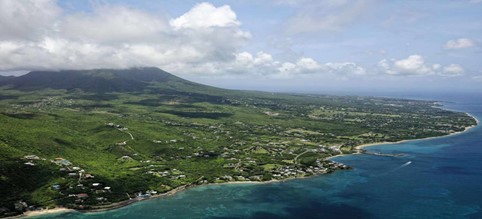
(437, 178)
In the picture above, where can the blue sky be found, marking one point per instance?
(280, 45)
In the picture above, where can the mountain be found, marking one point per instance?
(96, 80)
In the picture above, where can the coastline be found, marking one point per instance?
(121, 204)
(402, 141)
(55, 210)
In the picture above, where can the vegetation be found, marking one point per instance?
(87, 139)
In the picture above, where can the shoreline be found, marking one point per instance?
(121, 204)
(55, 210)
(360, 147)
(477, 122)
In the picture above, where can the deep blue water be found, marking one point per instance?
(443, 180)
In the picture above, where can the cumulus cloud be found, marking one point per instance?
(452, 70)
(346, 68)
(263, 65)
(415, 65)
(113, 24)
(307, 66)
(205, 40)
(205, 15)
(301, 66)
(35, 35)
(460, 43)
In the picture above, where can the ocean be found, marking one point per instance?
(436, 178)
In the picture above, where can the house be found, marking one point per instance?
(30, 163)
(241, 178)
(255, 178)
(82, 195)
(62, 162)
(124, 143)
(95, 184)
(125, 158)
(152, 192)
(143, 195)
(32, 157)
(20, 205)
(228, 178)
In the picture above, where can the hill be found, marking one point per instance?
(88, 139)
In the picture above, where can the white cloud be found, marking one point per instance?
(205, 15)
(308, 63)
(452, 70)
(305, 66)
(26, 19)
(263, 58)
(205, 40)
(346, 68)
(114, 24)
(415, 65)
(114, 36)
(460, 43)
(263, 65)
(301, 66)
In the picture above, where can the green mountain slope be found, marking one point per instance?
(97, 80)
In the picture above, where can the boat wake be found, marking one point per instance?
(405, 164)
(398, 168)
(402, 166)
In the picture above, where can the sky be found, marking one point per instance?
(273, 45)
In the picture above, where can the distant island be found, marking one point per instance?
(99, 139)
